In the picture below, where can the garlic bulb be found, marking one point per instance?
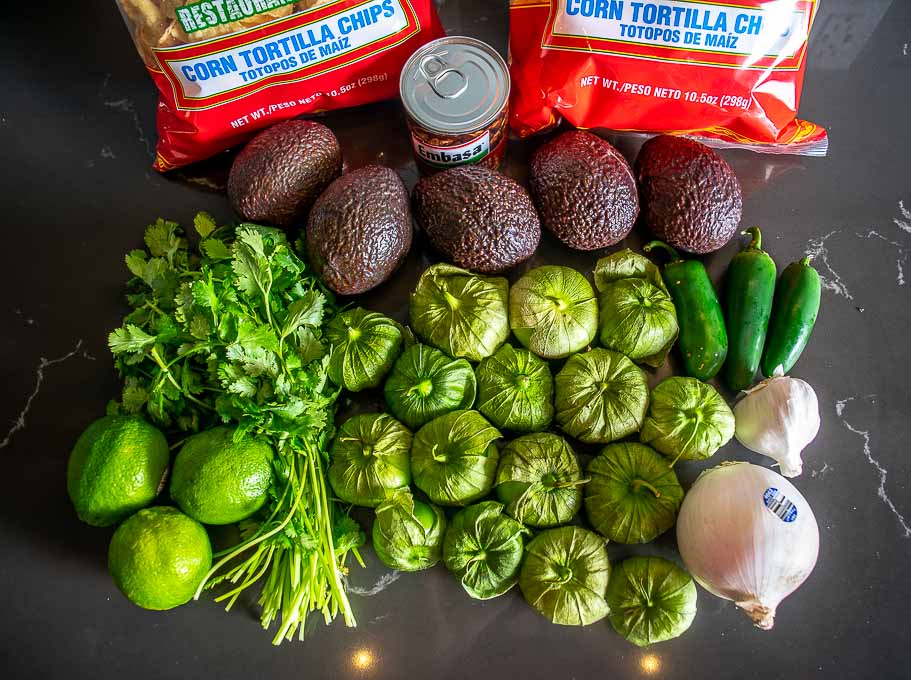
(778, 418)
(747, 534)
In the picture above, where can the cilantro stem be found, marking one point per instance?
(267, 301)
(285, 591)
(291, 614)
(164, 367)
(263, 524)
(357, 556)
(177, 444)
(335, 583)
(232, 595)
(248, 544)
(151, 305)
(186, 355)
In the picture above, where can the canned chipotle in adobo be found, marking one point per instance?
(456, 92)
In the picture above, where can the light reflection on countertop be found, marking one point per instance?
(363, 660)
(650, 664)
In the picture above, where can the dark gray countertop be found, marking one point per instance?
(77, 133)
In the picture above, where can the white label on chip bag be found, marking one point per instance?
(775, 30)
(287, 52)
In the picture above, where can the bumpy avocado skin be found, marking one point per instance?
(359, 230)
(279, 174)
(477, 218)
(584, 190)
(690, 196)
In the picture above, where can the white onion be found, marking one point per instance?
(738, 547)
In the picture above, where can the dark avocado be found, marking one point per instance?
(281, 171)
(478, 218)
(585, 190)
(359, 230)
(690, 196)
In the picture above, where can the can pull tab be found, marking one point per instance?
(447, 82)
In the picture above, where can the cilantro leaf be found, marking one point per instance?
(347, 534)
(134, 395)
(205, 294)
(159, 407)
(306, 311)
(252, 335)
(157, 274)
(255, 361)
(165, 327)
(215, 249)
(139, 317)
(184, 303)
(136, 262)
(309, 347)
(163, 240)
(250, 264)
(204, 224)
(200, 327)
(243, 385)
(292, 409)
(129, 339)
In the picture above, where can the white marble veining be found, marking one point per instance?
(868, 453)
(818, 250)
(902, 254)
(19, 422)
(382, 583)
(128, 106)
(821, 471)
(903, 222)
(830, 280)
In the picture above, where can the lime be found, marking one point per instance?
(158, 557)
(116, 468)
(218, 480)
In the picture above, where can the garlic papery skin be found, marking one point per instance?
(747, 534)
(778, 418)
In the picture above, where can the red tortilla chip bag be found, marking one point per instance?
(728, 73)
(228, 68)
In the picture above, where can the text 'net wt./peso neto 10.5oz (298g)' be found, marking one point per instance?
(225, 69)
(729, 73)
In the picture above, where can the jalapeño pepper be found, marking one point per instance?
(703, 341)
(794, 312)
(748, 291)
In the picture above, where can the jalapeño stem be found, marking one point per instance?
(661, 245)
(756, 238)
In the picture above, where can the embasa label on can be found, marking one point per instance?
(449, 156)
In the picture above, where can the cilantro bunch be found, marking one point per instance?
(230, 332)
